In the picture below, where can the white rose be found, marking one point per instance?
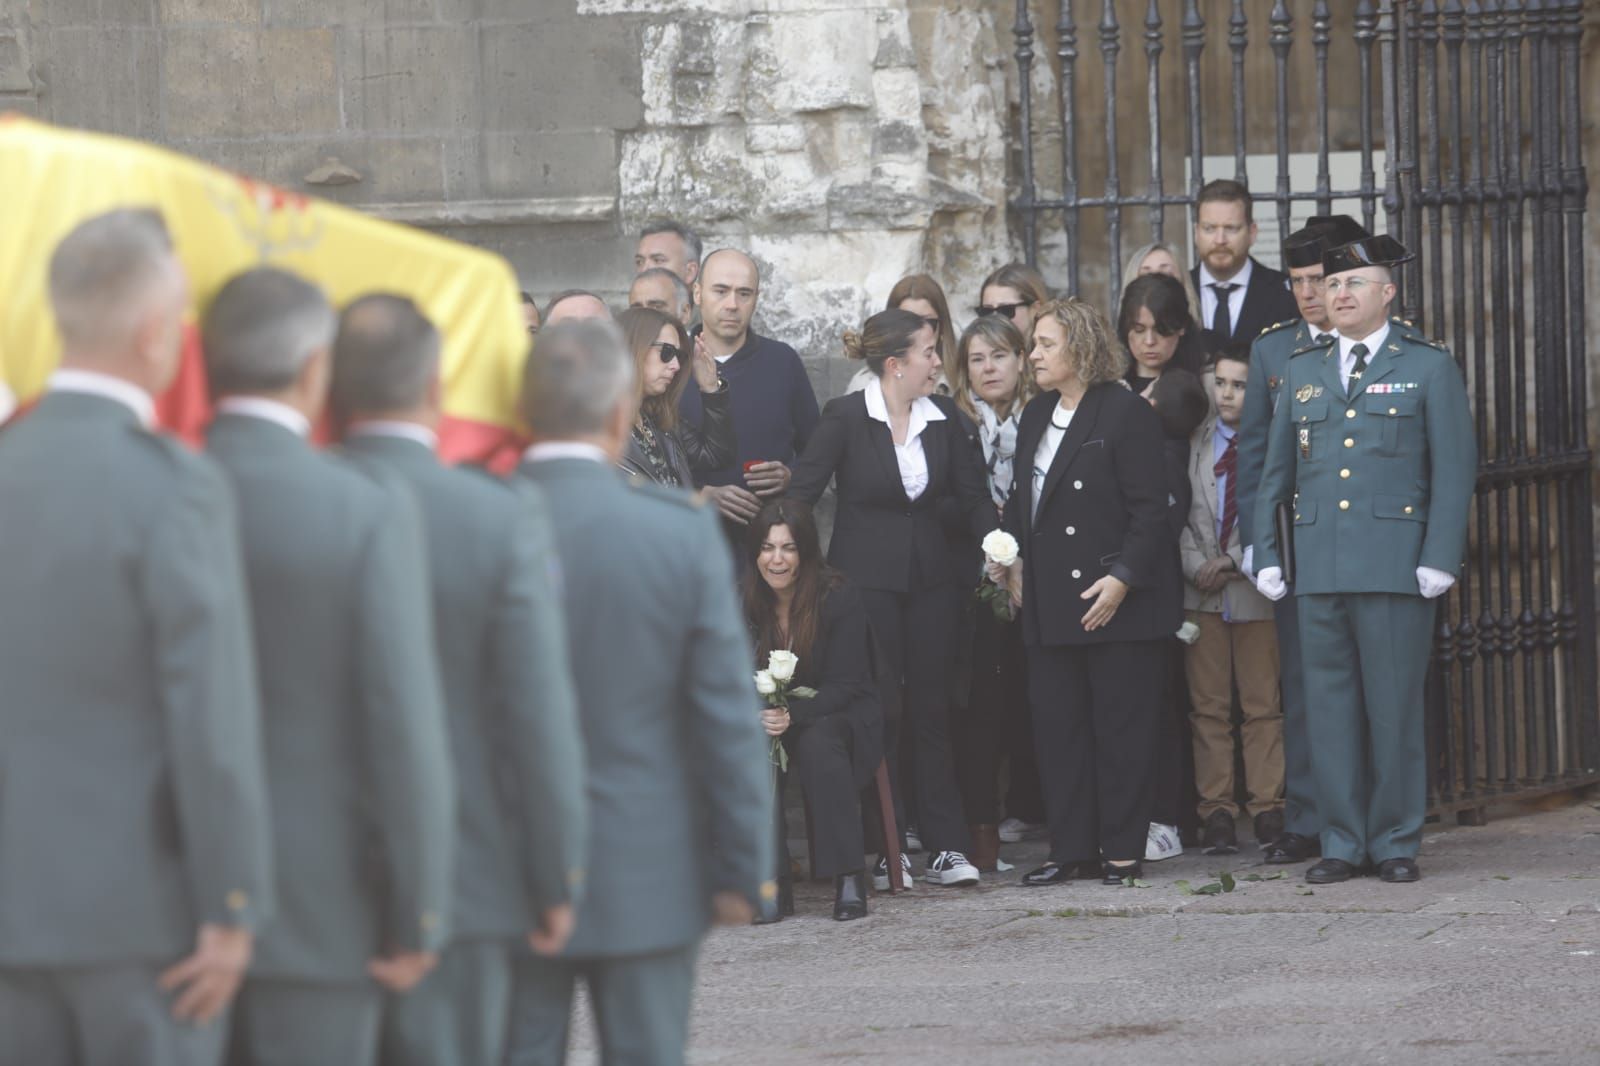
(1000, 547)
(1188, 632)
(765, 685)
(781, 664)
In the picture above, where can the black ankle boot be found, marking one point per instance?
(786, 896)
(850, 896)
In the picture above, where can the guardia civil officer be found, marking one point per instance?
(134, 845)
(358, 767)
(509, 697)
(1372, 444)
(1297, 836)
(675, 756)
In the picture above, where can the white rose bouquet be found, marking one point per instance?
(776, 686)
(1000, 548)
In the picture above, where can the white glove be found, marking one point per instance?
(1270, 583)
(1433, 583)
(1248, 566)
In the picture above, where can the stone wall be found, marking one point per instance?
(843, 144)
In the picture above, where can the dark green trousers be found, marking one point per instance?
(286, 1022)
(98, 1016)
(460, 1013)
(1366, 658)
(641, 1007)
(1299, 784)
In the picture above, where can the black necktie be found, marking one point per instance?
(1360, 352)
(1222, 318)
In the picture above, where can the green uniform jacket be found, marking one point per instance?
(1381, 480)
(132, 803)
(521, 815)
(677, 760)
(358, 759)
(1269, 364)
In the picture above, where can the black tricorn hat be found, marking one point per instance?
(1304, 247)
(1381, 250)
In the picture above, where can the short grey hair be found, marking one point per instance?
(385, 356)
(680, 288)
(690, 239)
(577, 374)
(103, 273)
(261, 330)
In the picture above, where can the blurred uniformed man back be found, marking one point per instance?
(1373, 446)
(511, 707)
(134, 842)
(357, 754)
(676, 758)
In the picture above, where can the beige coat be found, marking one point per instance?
(1198, 541)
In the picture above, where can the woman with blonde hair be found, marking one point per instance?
(1160, 258)
(662, 447)
(1100, 592)
(992, 384)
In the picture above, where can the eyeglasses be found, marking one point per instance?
(669, 352)
(1008, 310)
(1353, 286)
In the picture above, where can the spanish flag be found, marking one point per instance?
(223, 224)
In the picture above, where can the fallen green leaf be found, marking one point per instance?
(1501, 877)
(1140, 883)
(1304, 892)
(1183, 887)
(1228, 883)
(1213, 889)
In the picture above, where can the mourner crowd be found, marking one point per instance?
(346, 756)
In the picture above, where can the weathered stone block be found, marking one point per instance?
(104, 79)
(898, 138)
(590, 80)
(16, 68)
(816, 62)
(897, 95)
(525, 165)
(399, 169)
(243, 12)
(375, 13)
(94, 12)
(223, 82)
(894, 41)
(775, 137)
(409, 79)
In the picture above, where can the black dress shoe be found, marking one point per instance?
(1059, 873)
(1399, 871)
(1268, 827)
(1119, 875)
(850, 896)
(1219, 838)
(1330, 872)
(1292, 847)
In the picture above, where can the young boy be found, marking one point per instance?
(1237, 643)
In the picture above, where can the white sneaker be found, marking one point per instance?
(880, 873)
(951, 868)
(913, 841)
(1015, 831)
(1162, 842)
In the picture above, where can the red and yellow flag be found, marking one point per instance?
(222, 224)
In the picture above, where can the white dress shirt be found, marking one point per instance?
(1347, 362)
(550, 450)
(267, 411)
(94, 383)
(384, 427)
(1208, 295)
(1045, 454)
(910, 457)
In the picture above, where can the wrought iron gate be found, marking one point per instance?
(1472, 112)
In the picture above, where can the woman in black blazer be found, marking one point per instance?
(794, 601)
(1101, 591)
(911, 499)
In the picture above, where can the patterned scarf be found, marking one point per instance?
(999, 448)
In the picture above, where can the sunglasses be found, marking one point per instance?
(1008, 310)
(669, 352)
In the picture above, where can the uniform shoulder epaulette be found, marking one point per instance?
(666, 493)
(1314, 346)
(1279, 325)
(1430, 342)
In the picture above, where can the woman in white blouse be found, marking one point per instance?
(913, 502)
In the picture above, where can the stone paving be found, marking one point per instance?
(1494, 955)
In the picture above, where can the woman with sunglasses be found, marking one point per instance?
(1015, 292)
(663, 448)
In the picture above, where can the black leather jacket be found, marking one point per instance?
(708, 447)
